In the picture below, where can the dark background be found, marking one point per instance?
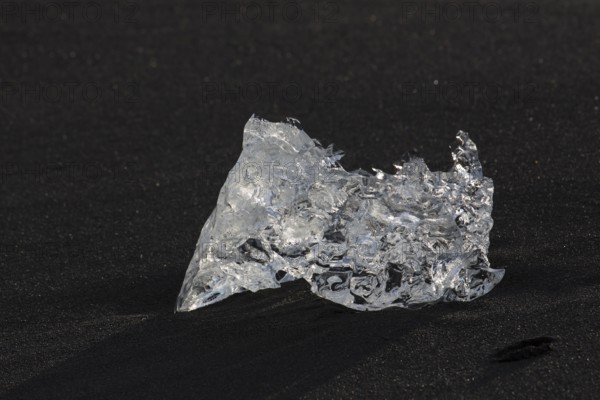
(118, 130)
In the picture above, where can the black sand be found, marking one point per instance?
(103, 200)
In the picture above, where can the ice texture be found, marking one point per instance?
(288, 210)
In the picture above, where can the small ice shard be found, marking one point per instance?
(288, 210)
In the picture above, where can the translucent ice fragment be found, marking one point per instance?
(288, 210)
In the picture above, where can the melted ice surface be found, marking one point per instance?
(288, 210)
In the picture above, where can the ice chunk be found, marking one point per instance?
(288, 210)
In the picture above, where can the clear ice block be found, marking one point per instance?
(288, 210)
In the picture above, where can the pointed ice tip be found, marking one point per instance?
(462, 136)
(184, 304)
(252, 122)
(180, 304)
(252, 130)
(465, 155)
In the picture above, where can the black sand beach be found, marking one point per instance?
(119, 128)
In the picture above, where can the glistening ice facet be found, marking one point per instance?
(288, 210)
